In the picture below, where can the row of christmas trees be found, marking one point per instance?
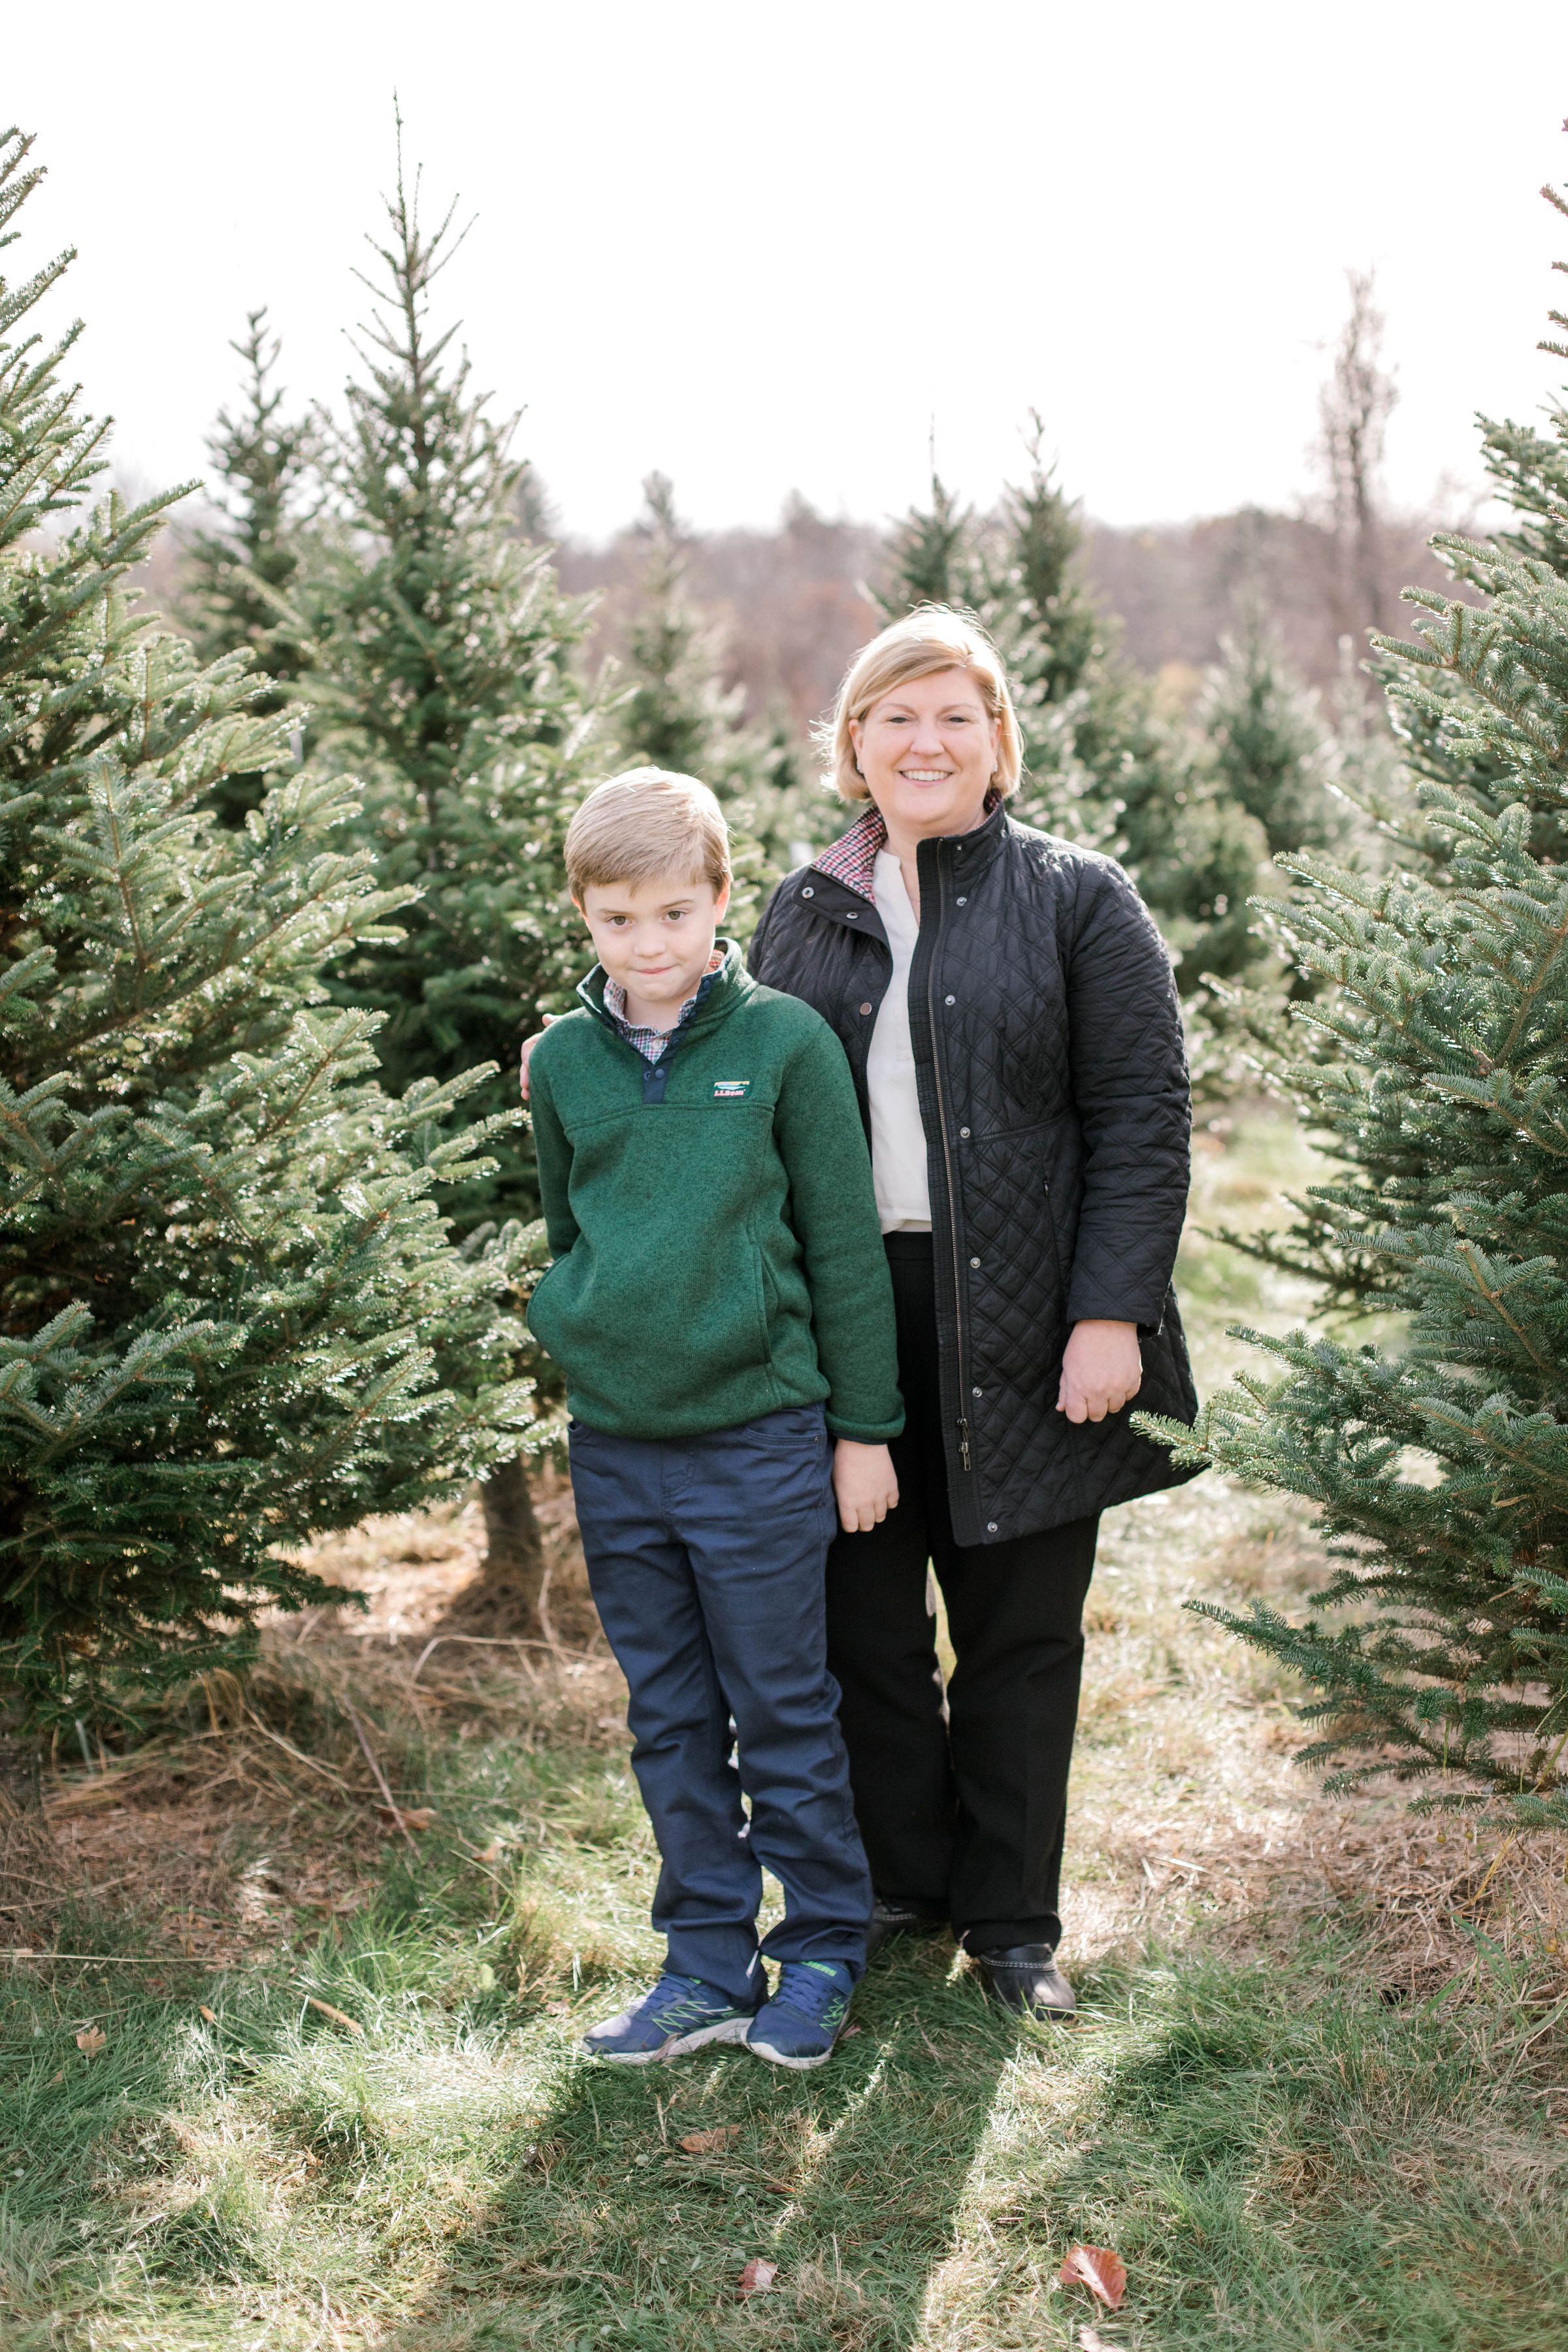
(269, 942)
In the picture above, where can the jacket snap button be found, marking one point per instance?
(807, 892)
(864, 1008)
(977, 1391)
(974, 1261)
(963, 1130)
(950, 1000)
(961, 902)
(990, 1526)
(851, 917)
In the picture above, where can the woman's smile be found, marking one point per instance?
(927, 754)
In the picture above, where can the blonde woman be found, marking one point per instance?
(1008, 1012)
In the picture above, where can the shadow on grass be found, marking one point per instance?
(1287, 2162)
(95, 2059)
(849, 2178)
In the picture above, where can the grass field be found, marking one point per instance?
(319, 2088)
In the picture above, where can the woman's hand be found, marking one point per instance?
(528, 1046)
(863, 1485)
(1102, 1369)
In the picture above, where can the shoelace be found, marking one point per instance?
(666, 2005)
(819, 1997)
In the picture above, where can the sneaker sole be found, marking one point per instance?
(777, 2057)
(730, 2028)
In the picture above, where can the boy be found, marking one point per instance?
(721, 1306)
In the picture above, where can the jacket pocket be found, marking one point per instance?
(1012, 1209)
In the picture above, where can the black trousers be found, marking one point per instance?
(963, 1806)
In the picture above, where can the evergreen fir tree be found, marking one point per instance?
(1268, 745)
(441, 671)
(932, 557)
(1036, 579)
(225, 1292)
(1437, 1080)
(234, 576)
(678, 713)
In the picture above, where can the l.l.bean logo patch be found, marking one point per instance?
(731, 1089)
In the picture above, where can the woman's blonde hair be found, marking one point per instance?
(643, 825)
(933, 637)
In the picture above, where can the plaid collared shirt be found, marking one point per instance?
(650, 1043)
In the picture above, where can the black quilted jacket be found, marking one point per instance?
(1053, 1088)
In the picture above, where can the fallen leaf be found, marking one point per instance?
(338, 2016)
(92, 2038)
(1097, 2268)
(211, 2015)
(413, 1817)
(492, 1853)
(58, 2077)
(757, 2277)
(557, 2008)
(704, 2143)
(850, 2032)
(1089, 2339)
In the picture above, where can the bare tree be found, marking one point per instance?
(1353, 409)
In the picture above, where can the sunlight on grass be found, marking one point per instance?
(1313, 2098)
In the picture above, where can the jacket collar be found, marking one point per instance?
(718, 994)
(969, 854)
(852, 858)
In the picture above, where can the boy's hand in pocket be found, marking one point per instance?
(864, 1485)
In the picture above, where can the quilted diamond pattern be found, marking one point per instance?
(1054, 1094)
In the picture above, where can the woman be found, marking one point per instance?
(1008, 1012)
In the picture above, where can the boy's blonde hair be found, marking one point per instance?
(933, 637)
(642, 825)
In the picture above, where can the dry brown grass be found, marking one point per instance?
(260, 1801)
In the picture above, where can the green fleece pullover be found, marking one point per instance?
(717, 1249)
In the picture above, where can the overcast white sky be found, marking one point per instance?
(765, 247)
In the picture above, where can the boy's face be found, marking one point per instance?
(656, 939)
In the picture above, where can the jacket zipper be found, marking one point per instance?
(936, 1057)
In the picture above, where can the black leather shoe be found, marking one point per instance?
(891, 1916)
(1025, 1977)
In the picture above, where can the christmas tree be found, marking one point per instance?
(441, 671)
(934, 556)
(230, 1314)
(1437, 1060)
(677, 713)
(234, 575)
(1268, 746)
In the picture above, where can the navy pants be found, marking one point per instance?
(705, 1556)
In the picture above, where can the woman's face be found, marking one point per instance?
(928, 752)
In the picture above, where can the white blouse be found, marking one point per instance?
(898, 1136)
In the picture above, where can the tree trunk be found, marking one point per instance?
(507, 1591)
(29, 1859)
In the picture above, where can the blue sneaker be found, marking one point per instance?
(679, 2014)
(800, 2024)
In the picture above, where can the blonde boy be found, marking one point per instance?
(721, 1306)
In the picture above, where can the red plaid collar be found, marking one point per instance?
(852, 858)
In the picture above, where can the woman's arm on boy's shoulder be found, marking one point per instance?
(553, 1149)
(833, 1209)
